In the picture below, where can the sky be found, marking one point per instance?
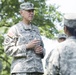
(66, 6)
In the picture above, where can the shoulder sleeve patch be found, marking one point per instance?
(10, 34)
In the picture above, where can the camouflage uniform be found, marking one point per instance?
(24, 61)
(63, 58)
(60, 36)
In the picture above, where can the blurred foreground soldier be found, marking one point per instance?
(63, 59)
(23, 42)
(61, 38)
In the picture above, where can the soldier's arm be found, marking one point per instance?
(10, 46)
(47, 59)
(42, 44)
(43, 50)
(53, 67)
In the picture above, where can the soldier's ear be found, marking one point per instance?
(21, 12)
(65, 30)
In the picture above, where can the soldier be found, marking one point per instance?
(63, 59)
(24, 43)
(61, 38)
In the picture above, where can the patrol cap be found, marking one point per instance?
(62, 36)
(27, 6)
(70, 20)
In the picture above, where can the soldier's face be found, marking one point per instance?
(27, 14)
(61, 40)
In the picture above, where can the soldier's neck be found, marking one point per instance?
(26, 22)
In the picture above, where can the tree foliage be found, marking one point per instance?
(45, 16)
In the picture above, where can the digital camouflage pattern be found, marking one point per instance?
(63, 58)
(27, 6)
(70, 20)
(14, 45)
(27, 74)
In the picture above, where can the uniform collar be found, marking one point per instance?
(25, 26)
(71, 37)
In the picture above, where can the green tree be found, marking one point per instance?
(45, 17)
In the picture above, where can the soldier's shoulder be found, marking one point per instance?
(35, 27)
(12, 30)
(15, 26)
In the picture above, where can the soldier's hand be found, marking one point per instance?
(32, 44)
(38, 49)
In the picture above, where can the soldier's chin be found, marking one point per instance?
(30, 20)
